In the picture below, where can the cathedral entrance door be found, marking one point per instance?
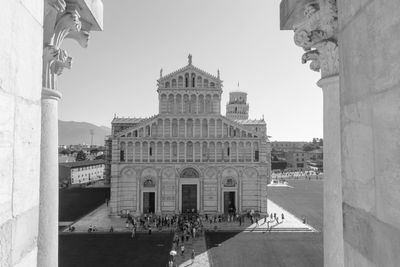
(189, 198)
(149, 202)
(229, 202)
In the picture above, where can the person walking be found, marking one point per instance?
(193, 256)
(133, 232)
(182, 250)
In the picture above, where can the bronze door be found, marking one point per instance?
(229, 202)
(149, 202)
(189, 198)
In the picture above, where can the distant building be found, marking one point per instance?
(80, 172)
(296, 159)
(287, 145)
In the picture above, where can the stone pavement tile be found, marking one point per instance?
(201, 258)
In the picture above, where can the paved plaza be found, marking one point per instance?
(103, 222)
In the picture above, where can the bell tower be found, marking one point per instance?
(237, 107)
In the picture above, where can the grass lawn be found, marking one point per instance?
(109, 250)
(76, 202)
(305, 199)
(273, 249)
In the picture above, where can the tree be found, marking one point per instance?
(65, 152)
(81, 156)
(321, 142)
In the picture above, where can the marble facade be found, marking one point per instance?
(188, 135)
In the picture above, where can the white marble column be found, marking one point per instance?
(333, 220)
(48, 206)
(317, 35)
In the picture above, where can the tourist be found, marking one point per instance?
(111, 229)
(149, 229)
(283, 217)
(193, 255)
(182, 250)
(257, 221)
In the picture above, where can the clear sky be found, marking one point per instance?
(117, 73)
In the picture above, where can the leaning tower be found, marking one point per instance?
(237, 107)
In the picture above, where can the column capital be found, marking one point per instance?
(70, 19)
(317, 35)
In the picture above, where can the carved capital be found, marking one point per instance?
(317, 34)
(62, 61)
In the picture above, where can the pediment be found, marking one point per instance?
(174, 79)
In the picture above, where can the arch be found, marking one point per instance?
(193, 80)
(167, 128)
(211, 151)
(196, 155)
(145, 151)
(208, 104)
(180, 81)
(173, 83)
(197, 130)
(174, 128)
(193, 104)
(167, 85)
(215, 103)
(248, 153)
(226, 152)
(160, 128)
(219, 151)
(201, 104)
(205, 83)
(212, 128)
(204, 128)
(128, 172)
(189, 130)
(186, 104)
(148, 172)
(137, 152)
(171, 103)
(122, 152)
(186, 80)
(234, 152)
(163, 103)
(205, 153)
(181, 148)
(181, 128)
(129, 154)
(174, 150)
(167, 152)
(159, 152)
(178, 103)
(189, 172)
(199, 82)
(250, 173)
(189, 151)
(212, 84)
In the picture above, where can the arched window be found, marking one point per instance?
(167, 85)
(122, 152)
(193, 80)
(187, 80)
(205, 83)
(173, 83)
(212, 85)
(180, 81)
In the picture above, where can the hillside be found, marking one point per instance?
(72, 132)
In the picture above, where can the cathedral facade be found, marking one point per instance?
(189, 157)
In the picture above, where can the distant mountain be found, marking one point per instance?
(73, 133)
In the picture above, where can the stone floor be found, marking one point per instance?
(201, 255)
(291, 223)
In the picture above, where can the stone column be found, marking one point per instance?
(317, 35)
(48, 206)
(60, 20)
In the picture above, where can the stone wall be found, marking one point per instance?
(20, 94)
(369, 49)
